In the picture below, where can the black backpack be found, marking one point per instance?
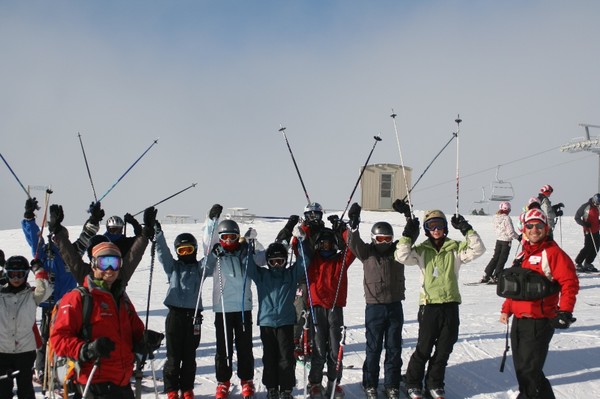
(524, 284)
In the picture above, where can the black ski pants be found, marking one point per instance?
(328, 334)
(22, 362)
(501, 253)
(107, 390)
(530, 340)
(278, 357)
(179, 370)
(240, 334)
(438, 329)
(383, 322)
(591, 243)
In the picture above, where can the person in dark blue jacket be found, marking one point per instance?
(47, 256)
(276, 290)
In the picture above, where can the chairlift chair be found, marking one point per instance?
(501, 190)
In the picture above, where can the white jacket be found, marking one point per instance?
(504, 228)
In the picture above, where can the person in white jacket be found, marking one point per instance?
(19, 336)
(505, 233)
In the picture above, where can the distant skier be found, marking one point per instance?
(588, 217)
(552, 211)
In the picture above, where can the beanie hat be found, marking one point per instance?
(535, 214)
(106, 249)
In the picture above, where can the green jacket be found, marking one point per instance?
(439, 270)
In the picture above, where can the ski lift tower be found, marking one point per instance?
(585, 144)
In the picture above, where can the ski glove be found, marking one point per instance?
(292, 221)
(215, 211)
(56, 217)
(563, 320)
(31, 205)
(96, 213)
(35, 265)
(149, 219)
(411, 230)
(559, 212)
(402, 206)
(250, 234)
(557, 207)
(137, 227)
(354, 215)
(337, 224)
(285, 234)
(98, 348)
(149, 344)
(458, 222)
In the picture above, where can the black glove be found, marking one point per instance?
(157, 227)
(96, 213)
(149, 343)
(2, 258)
(401, 206)
(292, 222)
(218, 250)
(337, 224)
(215, 211)
(285, 234)
(56, 217)
(559, 212)
(149, 219)
(520, 237)
(563, 320)
(354, 215)
(98, 348)
(31, 205)
(36, 265)
(137, 227)
(411, 230)
(459, 223)
(557, 207)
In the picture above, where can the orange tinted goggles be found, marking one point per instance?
(185, 250)
(382, 238)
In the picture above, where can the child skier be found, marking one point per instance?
(505, 233)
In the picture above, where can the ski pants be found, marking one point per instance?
(22, 362)
(240, 334)
(179, 370)
(278, 357)
(108, 390)
(591, 243)
(383, 322)
(530, 340)
(501, 253)
(438, 329)
(328, 325)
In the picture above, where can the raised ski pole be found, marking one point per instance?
(41, 234)
(393, 115)
(139, 371)
(282, 130)
(223, 311)
(196, 319)
(458, 121)
(310, 301)
(127, 171)
(169, 197)
(87, 166)
(338, 363)
(250, 251)
(14, 174)
(377, 139)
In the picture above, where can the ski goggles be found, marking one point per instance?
(313, 215)
(276, 262)
(539, 226)
(16, 274)
(108, 262)
(435, 224)
(229, 237)
(383, 238)
(187, 249)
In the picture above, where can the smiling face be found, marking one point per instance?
(535, 231)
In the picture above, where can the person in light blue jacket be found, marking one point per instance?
(276, 289)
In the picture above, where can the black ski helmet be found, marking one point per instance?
(276, 250)
(95, 240)
(381, 229)
(16, 262)
(185, 239)
(326, 234)
(228, 226)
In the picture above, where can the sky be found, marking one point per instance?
(214, 82)
(572, 364)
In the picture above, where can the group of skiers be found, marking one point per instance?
(300, 301)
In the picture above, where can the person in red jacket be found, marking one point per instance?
(588, 217)
(115, 326)
(535, 320)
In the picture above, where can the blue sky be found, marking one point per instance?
(214, 80)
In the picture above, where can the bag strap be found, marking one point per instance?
(87, 305)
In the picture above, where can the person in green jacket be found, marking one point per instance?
(439, 259)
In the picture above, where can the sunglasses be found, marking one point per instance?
(382, 238)
(313, 215)
(539, 226)
(276, 262)
(229, 236)
(434, 225)
(186, 250)
(108, 262)
(16, 274)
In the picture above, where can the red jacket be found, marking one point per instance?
(549, 259)
(121, 324)
(324, 277)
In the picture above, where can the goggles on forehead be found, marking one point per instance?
(539, 226)
(276, 262)
(186, 250)
(229, 236)
(108, 262)
(16, 274)
(435, 224)
(383, 238)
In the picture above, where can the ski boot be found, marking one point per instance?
(414, 393)
(189, 394)
(339, 392)
(392, 393)
(371, 392)
(437, 393)
(315, 391)
(286, 394)
(223, 390)
(272, 393)
(247, 389)
(173, 395)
